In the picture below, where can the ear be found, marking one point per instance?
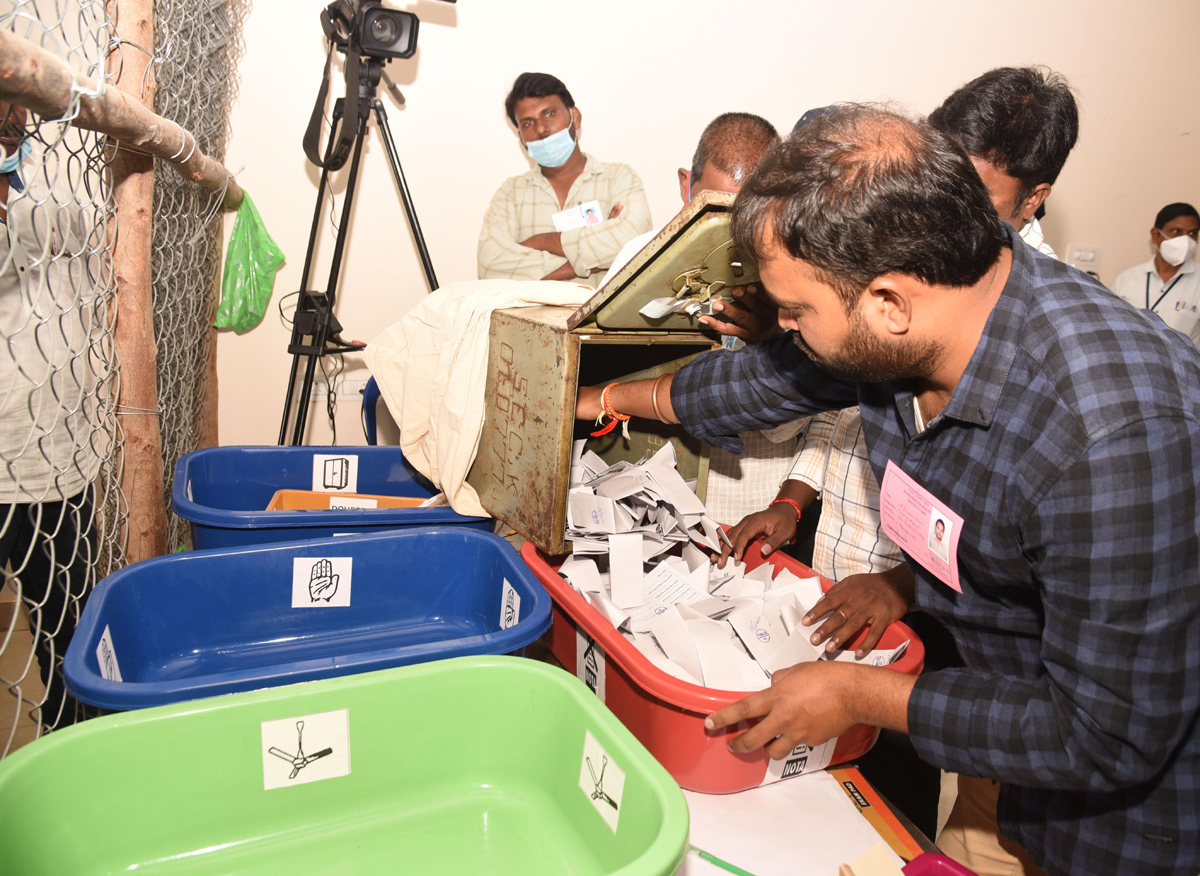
(887, 304)
(683, 183)
(578, 116)
(1036, 198)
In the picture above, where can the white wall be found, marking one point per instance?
(647, 77)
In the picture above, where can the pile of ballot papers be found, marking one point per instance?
(642, 558)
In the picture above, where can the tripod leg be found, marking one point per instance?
(287, 404)
(305, 393)
(409, 210)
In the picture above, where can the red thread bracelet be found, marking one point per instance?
(610, 411)
(794, 504)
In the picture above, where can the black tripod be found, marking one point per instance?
(315, 330)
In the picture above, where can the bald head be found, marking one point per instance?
(731, 145)
(863, 192)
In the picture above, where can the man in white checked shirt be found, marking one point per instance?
(537, 226)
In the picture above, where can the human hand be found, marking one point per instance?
(587, 403)
(547, 241)
(805, 703)
(616, 210)
(322, 583)
(775, 525)
(871, 600)
(748, 316)
(563, 272)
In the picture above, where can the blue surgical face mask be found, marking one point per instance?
(13, 161)
(554, 150)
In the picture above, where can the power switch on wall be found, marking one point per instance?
(1086, 258)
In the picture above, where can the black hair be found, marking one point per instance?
(863, 191)
(733, 143)
(535, 85)
(1021, 119)
(1174, 211)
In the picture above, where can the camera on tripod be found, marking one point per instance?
(368, 28)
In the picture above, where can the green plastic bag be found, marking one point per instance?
(250, 265)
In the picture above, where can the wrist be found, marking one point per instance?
(784, 500)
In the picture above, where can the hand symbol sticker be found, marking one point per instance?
(322, 582)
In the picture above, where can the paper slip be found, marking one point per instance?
(761, 573)
(583, 574)
(878, 657)
(674, 490)
(736, 588)
(724, 665)
(665, 585)
(608, 609)
(808, 590)
(625, 569)
(677, 642)
(642, 618)
(761, 637)
(649, 647)
(660, 307)
(588, 546)
(695, 557)
(596, 514)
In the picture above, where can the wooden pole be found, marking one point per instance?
(34, 78)
(140, 449)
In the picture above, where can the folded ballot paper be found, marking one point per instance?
(642, 546)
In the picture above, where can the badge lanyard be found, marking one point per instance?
(1167, 288)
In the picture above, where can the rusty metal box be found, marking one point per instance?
(539, 356)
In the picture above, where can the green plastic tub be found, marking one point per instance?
(473, 765)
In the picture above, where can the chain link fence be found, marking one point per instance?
(62, 512)
(200, 46)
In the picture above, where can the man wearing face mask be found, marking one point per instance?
(536, 226)
(1018, 125)
(1169, 284)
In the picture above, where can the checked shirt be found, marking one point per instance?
(1070, 447)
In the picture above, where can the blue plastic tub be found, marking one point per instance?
(213, 622)
(223, 491)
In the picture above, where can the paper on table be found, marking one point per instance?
(625, 569)
(746, 828)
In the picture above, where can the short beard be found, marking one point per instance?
(864, 358)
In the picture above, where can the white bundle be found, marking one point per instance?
(635, 529)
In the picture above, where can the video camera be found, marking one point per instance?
(368, 28)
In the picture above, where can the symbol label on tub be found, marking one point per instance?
(107, 657)
(335, 473)
(589, 663)
(305, 749)
(601, 780)
(510, 606)
(321, 582)
(800, 760)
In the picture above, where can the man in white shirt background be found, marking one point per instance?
(536, 227)
(1169, 284)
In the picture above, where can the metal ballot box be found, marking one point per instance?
(539, 356)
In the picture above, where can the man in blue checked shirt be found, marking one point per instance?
(1055, 428)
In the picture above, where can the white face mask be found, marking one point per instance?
(1177, 250)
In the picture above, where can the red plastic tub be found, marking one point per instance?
(666, 714)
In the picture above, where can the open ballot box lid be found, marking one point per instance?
(538, 357)
(673, 279)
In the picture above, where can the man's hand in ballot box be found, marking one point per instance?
(812, 703)
(748, 315)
